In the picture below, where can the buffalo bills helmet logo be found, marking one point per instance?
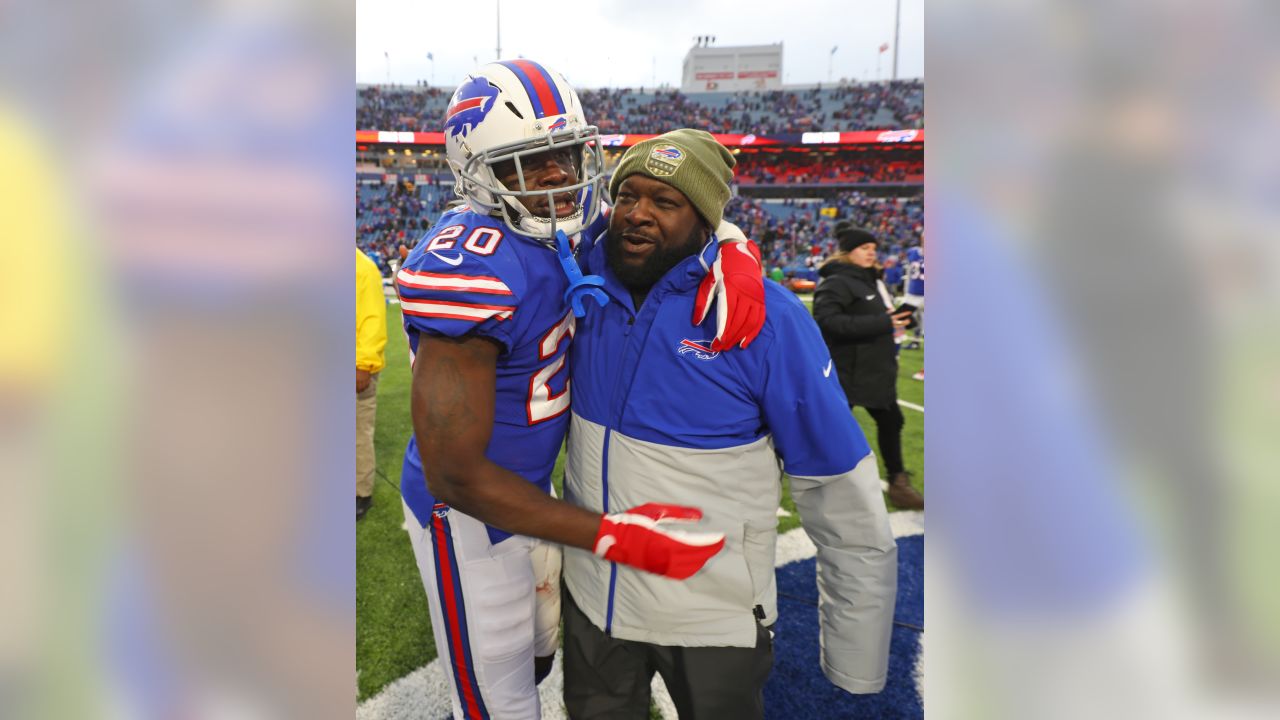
(469, 106)
(559, 124)
(700, 349)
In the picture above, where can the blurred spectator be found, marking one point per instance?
(371, 340)
(893, 275)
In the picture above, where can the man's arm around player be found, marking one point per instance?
(452, 406)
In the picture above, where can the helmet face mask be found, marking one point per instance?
(501, 117)
(480, 182)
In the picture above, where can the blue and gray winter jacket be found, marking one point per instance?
(658, 417)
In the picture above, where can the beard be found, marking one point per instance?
(641, 277)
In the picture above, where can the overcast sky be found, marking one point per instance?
(631, 43)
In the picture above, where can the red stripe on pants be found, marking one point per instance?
(471, 707)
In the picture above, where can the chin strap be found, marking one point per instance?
(579, 286)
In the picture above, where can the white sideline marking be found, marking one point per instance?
(662, 699)
(424, 693)
(906, 523)
(918, 674)
(913, 406)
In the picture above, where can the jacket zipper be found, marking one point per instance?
(604, 475)
(613, 567)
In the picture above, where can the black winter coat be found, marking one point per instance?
(859, 332)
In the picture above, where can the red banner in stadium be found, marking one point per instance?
(725, 140)
(408, 138)
(863, 137)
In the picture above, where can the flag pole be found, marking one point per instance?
(897, 15)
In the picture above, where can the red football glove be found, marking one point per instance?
(736, 282)
(640, 538)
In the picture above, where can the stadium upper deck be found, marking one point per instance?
(895, 105)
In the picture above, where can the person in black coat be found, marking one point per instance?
(853, 308)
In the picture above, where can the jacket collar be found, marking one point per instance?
(849, 269)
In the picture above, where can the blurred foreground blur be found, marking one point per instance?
(175, 363)
(1104, 380)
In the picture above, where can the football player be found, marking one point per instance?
(489, 299)
(914, 294)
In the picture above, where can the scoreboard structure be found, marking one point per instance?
(732, 69)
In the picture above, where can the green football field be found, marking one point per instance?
(393, 629)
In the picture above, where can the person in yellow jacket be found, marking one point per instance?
(371, 340)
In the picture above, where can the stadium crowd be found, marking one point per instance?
(762, 168)
(406, 109)
(793, 235)
(891, 105)
(797, 236)
(390, 215)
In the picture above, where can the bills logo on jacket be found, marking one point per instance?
(470, 104)
(700, 349)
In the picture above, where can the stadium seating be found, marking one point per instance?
(894, 105)
(795, 235)
(753, 169)
(389, 215)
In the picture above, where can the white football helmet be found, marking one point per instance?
(509, 110)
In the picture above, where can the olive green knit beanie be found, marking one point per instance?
(691, 161)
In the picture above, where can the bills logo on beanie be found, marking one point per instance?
(664, 160)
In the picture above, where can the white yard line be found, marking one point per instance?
(913, 406)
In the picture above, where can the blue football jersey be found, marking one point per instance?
(915, 272)
(471, 275)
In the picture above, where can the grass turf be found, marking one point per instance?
(393, 627)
